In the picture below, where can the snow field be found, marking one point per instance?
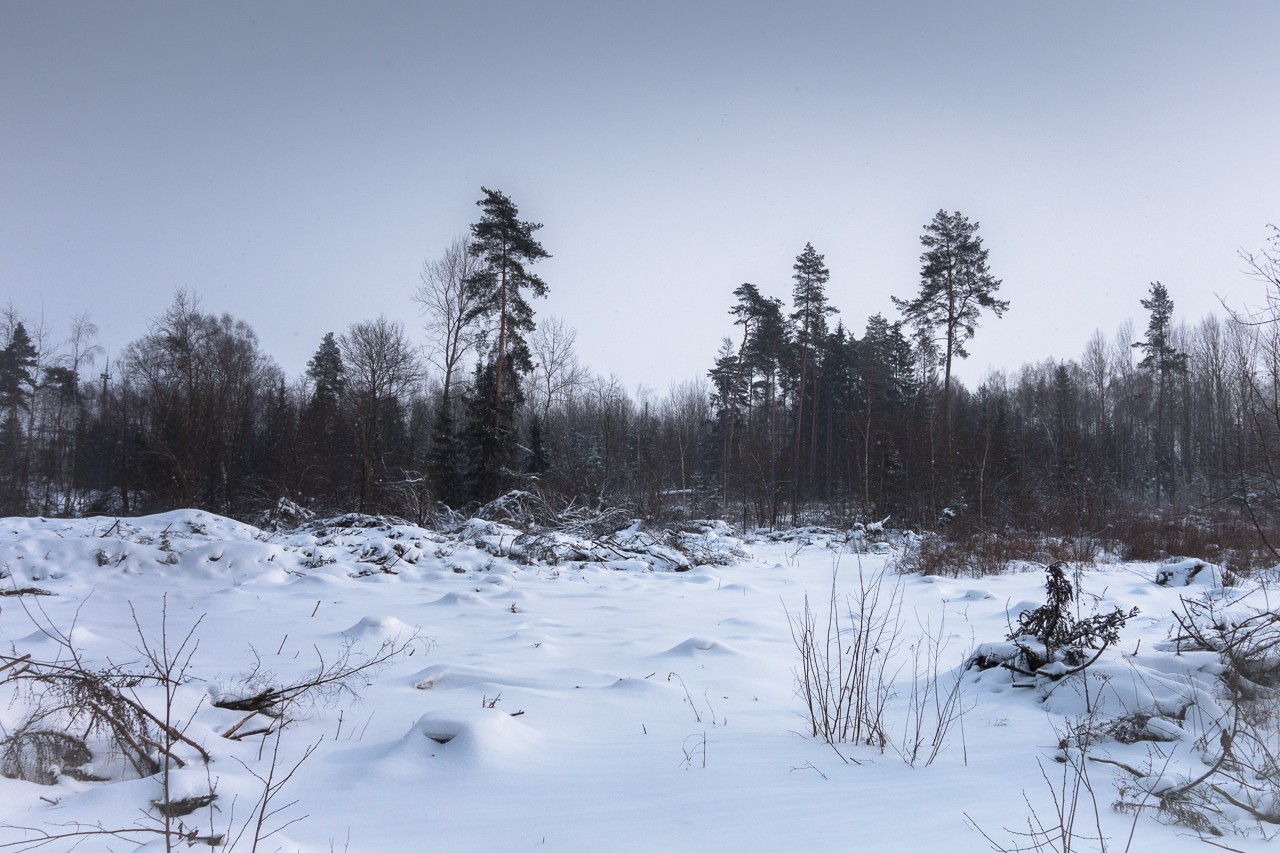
(582, 706)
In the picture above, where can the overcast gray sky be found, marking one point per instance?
(295, 163)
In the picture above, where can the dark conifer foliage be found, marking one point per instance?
(956, 286)
(489, 437)
(1164, 362)
(445, 458)
(18, 362)
(809, 299)
(504, 247)
(17, 369)
(1159, 353)
(327, 373)
(324, 433)
(536, 462)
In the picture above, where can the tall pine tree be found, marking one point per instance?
(1164, 361)
(956, 285)
(809, 298)
(504, 247)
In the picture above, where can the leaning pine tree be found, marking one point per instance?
(503, 246)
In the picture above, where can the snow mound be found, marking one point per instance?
(379, 628)
(459, 599)
(699, 646)
(450, 677)
(477, 736)
(1189, 572)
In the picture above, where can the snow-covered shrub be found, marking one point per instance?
(321, 527)
(707, 543)
(43, 755)
(1245, 632)
(285, 515)
(1050, 640)
(517, 508)
(94, 706)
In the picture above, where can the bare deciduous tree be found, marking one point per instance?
(204, 380)
(448, 310)
(556, 371)
(687, 410)
(382, 367)
(1263, 266)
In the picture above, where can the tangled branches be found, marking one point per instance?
(68, 694)
(1053, 642)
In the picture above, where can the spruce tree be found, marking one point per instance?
(537, 461)
(17, 384)
(884, 368)
(17, 365)
(327, 373)
(324, 434)
(1164, 361)
(489, 436)
(444, 457)
(1159, 354)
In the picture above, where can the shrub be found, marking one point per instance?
(973, 555)
(41, 756)
(845, 656)
(1050, 634)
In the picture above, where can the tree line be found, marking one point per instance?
(798, 418)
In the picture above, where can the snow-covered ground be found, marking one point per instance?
(598, 706)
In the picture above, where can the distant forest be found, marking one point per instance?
(797, 419)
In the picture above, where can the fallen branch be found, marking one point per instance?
(25, 590)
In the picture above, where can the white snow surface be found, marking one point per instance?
(607, 705)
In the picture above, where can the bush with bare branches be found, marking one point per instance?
(846, 657)
(78, 713)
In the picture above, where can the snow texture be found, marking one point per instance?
(578, 693)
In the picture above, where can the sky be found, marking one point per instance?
(295, 163)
